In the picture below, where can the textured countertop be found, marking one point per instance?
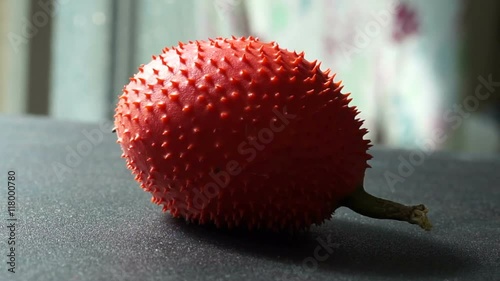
(81, 216)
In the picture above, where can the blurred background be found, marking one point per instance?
(425, 73)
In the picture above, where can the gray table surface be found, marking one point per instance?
(93, 222)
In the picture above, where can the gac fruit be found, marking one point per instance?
(239, 132)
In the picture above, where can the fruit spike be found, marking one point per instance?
(240, 132)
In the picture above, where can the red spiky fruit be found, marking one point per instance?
(241, 132)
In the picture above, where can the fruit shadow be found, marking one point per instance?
(355, 249)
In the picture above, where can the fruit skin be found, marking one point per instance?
(239, 132)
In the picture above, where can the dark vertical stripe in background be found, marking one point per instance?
(122, 48)
(39, 52)
(112, 54)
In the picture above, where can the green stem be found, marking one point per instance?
(368, 205)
